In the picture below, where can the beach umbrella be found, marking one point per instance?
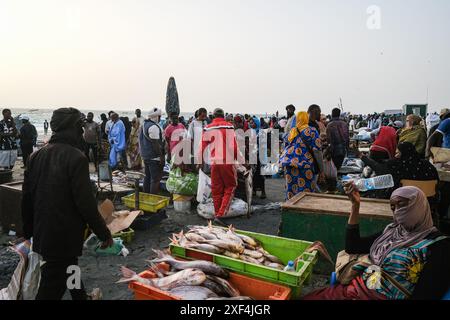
(172, 103)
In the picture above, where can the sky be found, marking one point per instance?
(252, 56)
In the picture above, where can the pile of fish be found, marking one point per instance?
(189, 280)
(228, 243)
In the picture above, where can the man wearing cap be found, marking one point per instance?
(58, 204)
(28, 137)
(151, 145)
(221, 138)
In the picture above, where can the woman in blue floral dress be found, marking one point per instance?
(298, 158)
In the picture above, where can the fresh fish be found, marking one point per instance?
(204, 233)
(205, 266)
(319, 246)
(253, 254)
(261, 260)
(232, 298)
(188, 277)
(273, 258)
(194, 237)
(205, 247)
(249, 259)
(193, 293)
(215, 230)
(274, 265)
(249, 247)
(227, 286)
(248, 240)
(231, 254)
(179, 240)
(129, 275)
(228, 236)
(214, 287)
(227, 245)
(156, 270)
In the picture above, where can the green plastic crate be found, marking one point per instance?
(126, 235)
(284, 248)
(147, 202)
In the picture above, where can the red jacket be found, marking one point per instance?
(221, 138)
(386, 141)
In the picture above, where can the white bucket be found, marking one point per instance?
(103, 171)
(182, 206)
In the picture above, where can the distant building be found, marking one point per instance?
(417, 109)
(393, 112)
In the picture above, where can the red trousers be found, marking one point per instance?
(356, 290)
(223, 186)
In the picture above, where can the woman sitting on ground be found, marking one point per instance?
(409, 258)
(407, 165)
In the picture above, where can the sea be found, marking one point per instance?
(38, 116)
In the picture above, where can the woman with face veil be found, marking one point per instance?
(408, 260)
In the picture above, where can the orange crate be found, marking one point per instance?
(254, 288)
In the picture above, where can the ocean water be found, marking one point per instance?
(38, 116)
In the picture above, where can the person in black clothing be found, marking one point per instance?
(314, 112)
(45, 127)
(104, 119)
(57, 205)
(407, 165)
(28, 137)
(338, 138)
(410, 257)
(127, 124)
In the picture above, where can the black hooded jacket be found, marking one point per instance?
(57, 201)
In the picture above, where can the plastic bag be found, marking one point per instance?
(238, 208)
(204, 187)
(32, 278)
(329, 169)
(351, 165)
(183, 184)
(92, 244)
(269, 169)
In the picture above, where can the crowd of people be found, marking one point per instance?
(309, 144)
(313, 146)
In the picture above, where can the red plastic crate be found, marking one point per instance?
(254, 288)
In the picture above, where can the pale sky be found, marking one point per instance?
(255, 56)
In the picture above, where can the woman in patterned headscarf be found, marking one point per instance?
(302, 158)
(408, 260)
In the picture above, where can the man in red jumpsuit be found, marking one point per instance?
(220, 136)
